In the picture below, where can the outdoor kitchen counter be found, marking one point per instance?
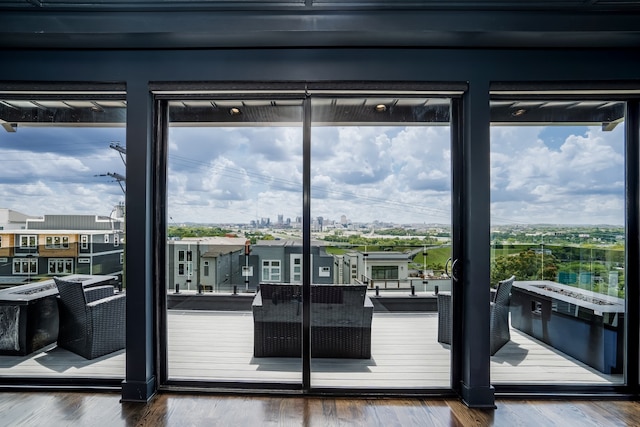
(585, 325)
(599, 303)
(28, 317)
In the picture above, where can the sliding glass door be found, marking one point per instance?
(381, 222)
(307, 237)
(234, 208)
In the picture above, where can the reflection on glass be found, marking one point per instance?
(62, 215)
(558, 225)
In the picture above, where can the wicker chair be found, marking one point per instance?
(92, 320)
(499, 316)
(340, 321)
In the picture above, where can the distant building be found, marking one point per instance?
(373, 266)
(215, 263)
(280, 261)
(12, 220)
(56, 245)
(219, 264)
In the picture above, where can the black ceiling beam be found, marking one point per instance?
(577, 27)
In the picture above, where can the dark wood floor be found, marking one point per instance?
(167, 409)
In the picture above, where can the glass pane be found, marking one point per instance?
(234, 166)
(381, 206)
(558, 226)
(62, 183)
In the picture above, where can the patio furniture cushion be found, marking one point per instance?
(92, 320)
(341, 318)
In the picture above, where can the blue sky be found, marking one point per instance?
(571, 175)
(51, 170)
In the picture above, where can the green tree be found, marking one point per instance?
(526, 265)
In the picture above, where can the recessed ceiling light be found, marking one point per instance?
(234, 111)
(519, 112)
(380, 108)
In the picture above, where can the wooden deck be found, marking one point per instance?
(218, 346)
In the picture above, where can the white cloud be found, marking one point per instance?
(396, 174)
(579, 181)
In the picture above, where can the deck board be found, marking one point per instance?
(218, 346)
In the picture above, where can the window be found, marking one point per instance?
(28, 241)
(185, 263)
(80, 130)
(558, 225)
(271, 270)
(296, 268)
(84, 241)
(61, 266)
(384, 272)
(57, 242)
(25, 266)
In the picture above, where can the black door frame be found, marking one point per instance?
(453, 91)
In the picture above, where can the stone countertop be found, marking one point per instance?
(599, 303)
(24, 294)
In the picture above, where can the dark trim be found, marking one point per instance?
(231, 386)
(309, 5)
(140, 382)
(632, 238)
(471, 293)
(457, 164)
(160, 151)
(573, 90)
(481, 397)
(306, 245)
(564, 390)
(58, 91)
(270, 389)
(48, 383)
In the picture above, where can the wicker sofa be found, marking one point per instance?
(92, 319)
(340, 321)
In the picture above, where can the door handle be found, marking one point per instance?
(453, 266)
(454, 276)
